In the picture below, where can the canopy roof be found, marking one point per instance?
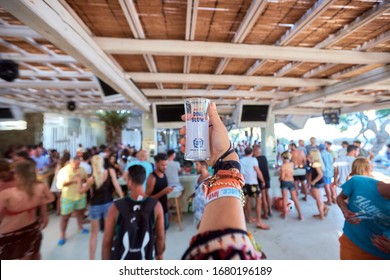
(300, 56)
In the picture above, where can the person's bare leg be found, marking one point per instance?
(264, 203)
(328, 197)
(285, 201)
(317, 196)
(304, 190)
(80, 218)
(259, 221)
(268, 199)
(93, 238)
(248, 209)
(64, 225)
(333, 192)
(294, 198)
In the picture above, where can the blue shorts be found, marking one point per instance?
(287, 185)
(318, 185)
(327, 180)
(96, 211)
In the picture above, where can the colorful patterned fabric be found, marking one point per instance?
(227, 244)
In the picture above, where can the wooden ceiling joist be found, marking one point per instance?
(49, 84)
(246, 51)
(347, 30)
(230, 79)
(60, 28)
(370, 78)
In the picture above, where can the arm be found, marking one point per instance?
(259, 175)
(281, 173)
(160, 232)
(118, 189)
(109, 230)
(43, 217)
(382, 242)
(349, 216)
(304, 159)
(150, 182)
(87, 186)
(320, 175)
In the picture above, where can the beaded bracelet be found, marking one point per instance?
(226, 192)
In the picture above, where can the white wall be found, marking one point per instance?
(62, 132)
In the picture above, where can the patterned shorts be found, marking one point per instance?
(227, 244)
(251, 190)
(68, 206)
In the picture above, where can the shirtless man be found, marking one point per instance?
(287, 185)
(299, 159)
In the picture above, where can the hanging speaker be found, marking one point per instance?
(331, 116)
(9, 70)
(71, 105)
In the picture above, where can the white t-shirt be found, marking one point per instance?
(172, 172)
(247, 169)
(87, 167)
(344, 166)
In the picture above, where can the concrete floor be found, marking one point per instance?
(289, 239)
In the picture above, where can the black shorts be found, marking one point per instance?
(300, 178)
(251, 190)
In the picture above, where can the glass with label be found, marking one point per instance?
(197, 127)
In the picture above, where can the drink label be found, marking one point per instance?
(197, 142)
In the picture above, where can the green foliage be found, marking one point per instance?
(117, 119)
(383, 113)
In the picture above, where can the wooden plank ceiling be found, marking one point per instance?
(300, 56)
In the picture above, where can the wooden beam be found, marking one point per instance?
(215, 93)
(248, 51)
(18, 31)
(39, 58)
(49, 85)
(142, 77)
(359, 22)
(251, 17)
(372, 77)
(132, 18)
(311, 15)
(55, 23)
(63, 74)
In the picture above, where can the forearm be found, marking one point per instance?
(232, 215)
(160, 246)
(341, 202)
(106, 251)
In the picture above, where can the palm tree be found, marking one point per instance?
(115, 121)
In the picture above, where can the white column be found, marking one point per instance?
(149, 142)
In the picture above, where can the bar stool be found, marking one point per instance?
(176, 196)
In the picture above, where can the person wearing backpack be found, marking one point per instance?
(134, 227)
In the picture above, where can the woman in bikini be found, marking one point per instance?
(317, 183)
(23, 214)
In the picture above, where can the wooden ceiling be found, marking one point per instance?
(300, 56)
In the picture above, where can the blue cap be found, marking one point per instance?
(321, 147)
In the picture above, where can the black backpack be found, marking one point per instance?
(135, 235)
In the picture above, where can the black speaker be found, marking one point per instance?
(9, 70)
(331, 116)
(71, 105)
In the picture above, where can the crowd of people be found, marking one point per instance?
(120, 188)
